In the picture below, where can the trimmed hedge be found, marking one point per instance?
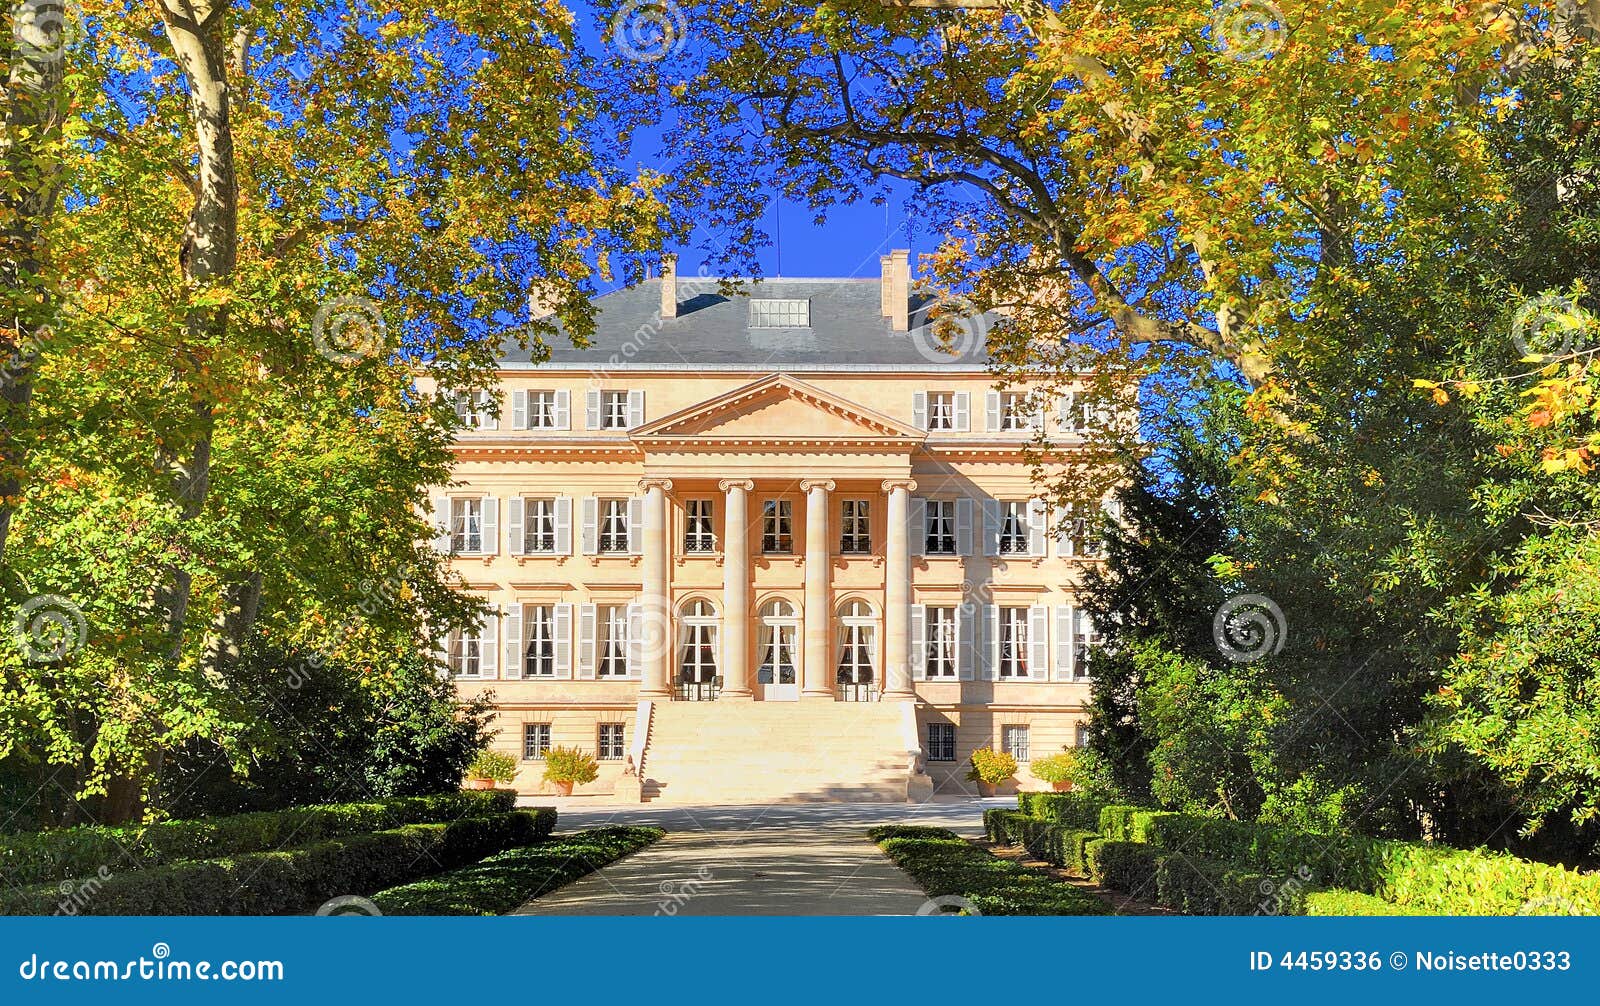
(293, 880)
(1054, 843)
(1076, 810)
(1116, 821)
(943, 864)
(1193, 885)
(1352, 903)
(44, 856)
(1129, 867)
(510, 879)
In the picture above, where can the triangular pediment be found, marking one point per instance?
(778, 408)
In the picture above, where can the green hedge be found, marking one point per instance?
(943, 864)
(1352, 903)
(1076, 810)
(508, 880)
(1051, 842)
(1193, 885)
(292, 880)
(40, 857)
(1129, 867)
(1116, 821)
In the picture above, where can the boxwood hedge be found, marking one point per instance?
(943, 864)
(1054, 843)
(1075, 810)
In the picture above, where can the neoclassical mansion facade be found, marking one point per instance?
(774, 546)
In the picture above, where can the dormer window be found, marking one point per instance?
(780, 313)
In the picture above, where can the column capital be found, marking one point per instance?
(890, 485)
(729, 485)
(647, 484)
(826, 485)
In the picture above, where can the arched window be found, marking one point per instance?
(858, 645)
(697, 657)
(779, 630)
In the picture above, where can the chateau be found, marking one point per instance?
(773, 546)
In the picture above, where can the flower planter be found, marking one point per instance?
(985, 788)
(563, 788)
(479, 784)
(1061, 787)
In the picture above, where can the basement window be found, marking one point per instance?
(780, 313)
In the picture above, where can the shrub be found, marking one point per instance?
(1352, 903)
(495, 765)
(38, 857)
(1124, 866)
(1078, 810)
(991, 766)
(1116, 821)
(570, 765)
(1051, 842)
(945, 865)
(293, 880)
(1059, 767)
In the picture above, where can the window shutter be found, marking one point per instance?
(991, 405)
(1039, 643)
(917, 525)
(635, 408)
(489, 421)
(591, 409)
(635, 649)
(636, 525)
(591, 525)
(990, 671)
(514, 656)
(439, 517)
(919, 409)
(489, 644)
(491, 525)
(968, 653)
(964, 526)
(963, 411)
(563, 525)
(561, 631)
(1065, 406)
(1063, 642)
(1038, 521)
(514, 525)
(1085, 627)
(519, 410)
(1036, 420)
(561, 415)
(991, 527)
(586, 641)
(441, 653)
(919, 641)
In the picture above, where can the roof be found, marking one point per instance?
(712, 332)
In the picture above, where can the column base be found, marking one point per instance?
(826, 696)
(899, 696)
(727, 695)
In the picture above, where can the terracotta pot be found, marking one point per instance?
(985, 788)
(480, 784)
(563, 788)
(1061, 787)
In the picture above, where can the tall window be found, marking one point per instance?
(697, 660)
(1085, 638)
(941, 410)
(857, 643)
(541, 410)
(776, 645)
(464, 654)
(466, 526)
(539, 628)
(1080, 735)
(941, 742)
(777, 526)
(613, 410)
(609, 745)
(472, 409)
(855, 527)
(614, 525)
(697, 533)
(535, 740)
(941, 643)
(538, 526)
(940, 538)
(611, 641)
(1013, 643)
(1017, 411)
(1014, 742)
(1014, 527)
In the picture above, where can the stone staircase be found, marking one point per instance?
(780, 752)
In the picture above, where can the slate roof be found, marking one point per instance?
(712, 332)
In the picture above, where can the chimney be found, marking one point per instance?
(669, 286)
(896, 289)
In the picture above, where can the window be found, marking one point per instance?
(941, 410)
(466, 526)
(1085, 638)
(614, 525)
(780, 313)
(941, 742)
(542, 410)
(1014, 742)
(535, 740)
(472, 409)
(538, 526)
(776, 644)
(613, 410)
(611, 641)
(1017, 411)
(941, 638)
(539, 629)
(858, 635)
(941, 527)
(697, 533)
(1014, 527)
(855, 527)
(1080, 735)
(464, 654)
(697, 660)
(777, 524)
(610, 746)
(1013, 643)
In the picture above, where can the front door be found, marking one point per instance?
(779, 674)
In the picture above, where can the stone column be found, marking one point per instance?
(897, 594)
(736, 589)
(817, 671)
(656, 601)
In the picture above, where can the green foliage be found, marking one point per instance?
(495, 765)
(992, 767)
(944, 865)
(507, 880)
(1076, 810)
(1129, 867)
(1054, 843)
(1352, 903)
(1116, 821)
(570, 764)
(1059, 767)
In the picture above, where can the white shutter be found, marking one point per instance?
(514, 656)
(919, 409)
(561, 633)
(563, 525)
(917, 525)
(968, 655)
(441, 653)
(1063, 642)
(591, 525)
(1038, 521)
(439, 517)
(635, 648)
(491, 525)
(519, 410)
(586, 641)
(1085, 626)
(591, 410)
(1036, 421)
(991, 405)
(489, 421)
(1039, 643)
(1065, 405)
(489, 644)
(990, 643)
(964, 526)
(635, 408)
(514, 534)
(963, 410)
(561, 415)
(991, 527)
(636, 525)
(919, 641)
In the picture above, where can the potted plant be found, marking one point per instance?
(565, 767)
(490, 767)
(1059, 770)
(990, 768)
